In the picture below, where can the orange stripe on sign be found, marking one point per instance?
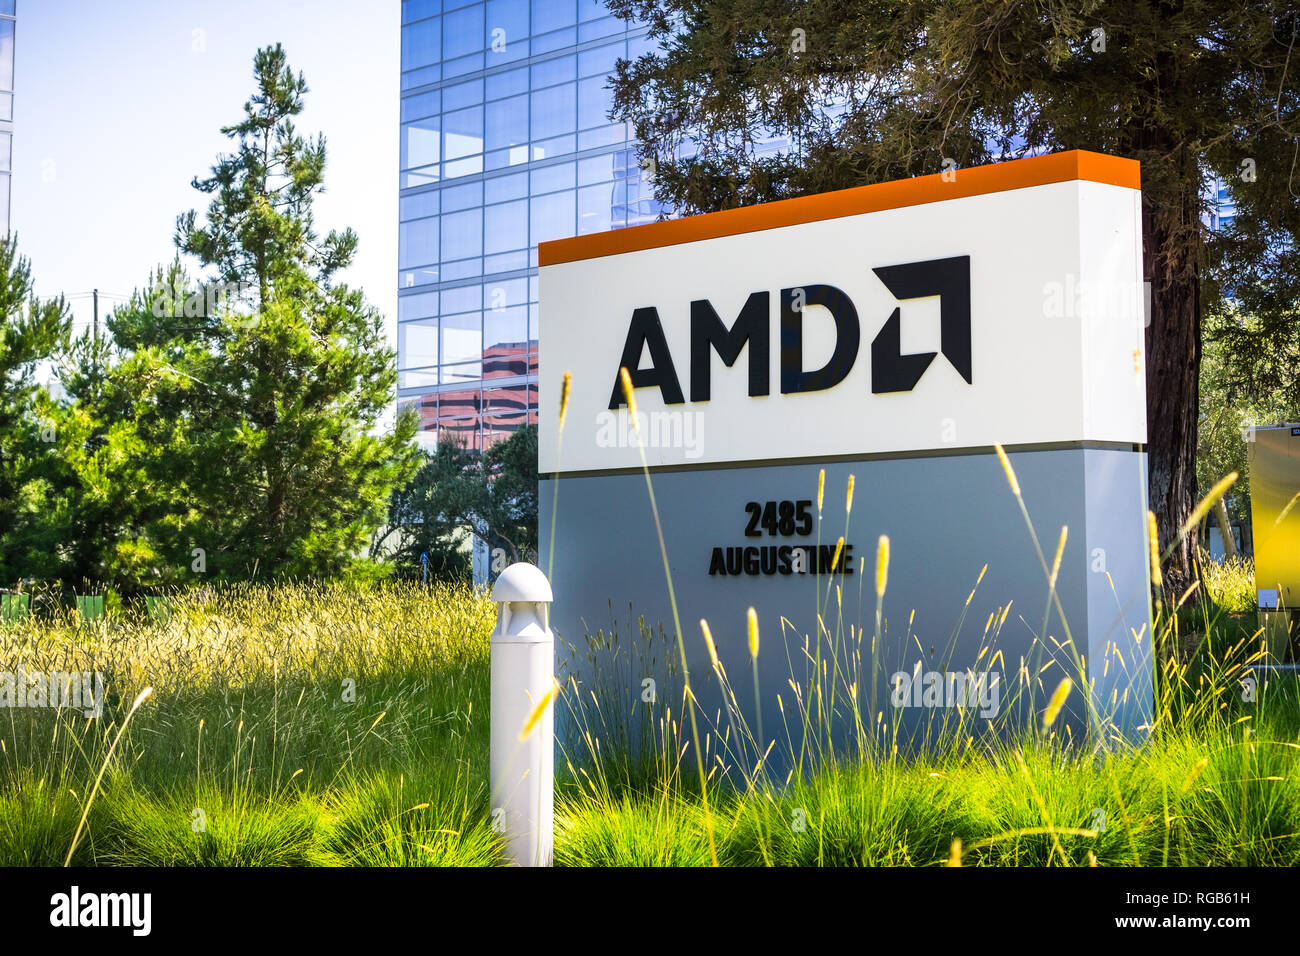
(976, 181)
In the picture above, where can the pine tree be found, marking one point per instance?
(255, 397)
(31, 331)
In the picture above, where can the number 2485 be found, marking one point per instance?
(783, 518)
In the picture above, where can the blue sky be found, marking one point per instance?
(119, 105)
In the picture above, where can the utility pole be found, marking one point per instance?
(95, 328)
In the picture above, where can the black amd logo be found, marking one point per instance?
(891, 370)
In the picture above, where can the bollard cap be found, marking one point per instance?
(522, 582)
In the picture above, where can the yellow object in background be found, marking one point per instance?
(1274, 455)
(1275, 514)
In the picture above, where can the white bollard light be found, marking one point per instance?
(523, 771)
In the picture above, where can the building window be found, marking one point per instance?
(488, 170)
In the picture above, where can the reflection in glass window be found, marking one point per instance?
(553, 111)
(505, 293)
(420, 306)
(421, 379)
(420, 177)
(595, 99)
(507, 327)
(421, 77)
(417, 343)
(462, 337)
(505, 357)
(551, 217)
(498, 426)
(553, 14)
(511, 18)
(463, 167)
(464, 299)
(464, 432)
(462, 197)
(505, 410)
(454, 344)
(462, 269)
(597, 169)
(462, 94)
(463, 371)
(550, 178)
(505, 262)
(461, 403)
(424, 275)
(422, 104)
(463, 32)
(639, 46)
(601, 60)
(507, 399)
(601, 136)
(598, 29)
(594, 209)
(507, 84)
(554, 41)
(549, 72)
(642, 212)
(507, 122)
(412, 9)
(420, 43)
(418, 206)
(555, 146)
(462, 235)
(506, 227)
(501, 188)
(420, 143)
(463, 133)
(417, 242)
(462, 65)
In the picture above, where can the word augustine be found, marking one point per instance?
(785, 559)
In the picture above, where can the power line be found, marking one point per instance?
(91, 293)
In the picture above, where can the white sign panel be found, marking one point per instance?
(1010, 313)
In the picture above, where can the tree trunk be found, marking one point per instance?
(1225, 529)
(1172, 242)
(1173, 346)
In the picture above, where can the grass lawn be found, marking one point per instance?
(304, 725)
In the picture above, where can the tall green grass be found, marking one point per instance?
(1213, 778)
(331, 725)
(287, 725)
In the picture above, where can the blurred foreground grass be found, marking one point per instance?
(311, 725)
(287, 725)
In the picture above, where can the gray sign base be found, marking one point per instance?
(941, 667)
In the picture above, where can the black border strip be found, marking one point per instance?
(861, 456)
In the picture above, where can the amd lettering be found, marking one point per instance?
(891, 369)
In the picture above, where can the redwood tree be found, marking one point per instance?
(870, 90)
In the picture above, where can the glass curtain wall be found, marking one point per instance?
(8, 12)
(504, 144)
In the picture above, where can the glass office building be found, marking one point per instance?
(7, 24)
(1222, 205)
(504, 144)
